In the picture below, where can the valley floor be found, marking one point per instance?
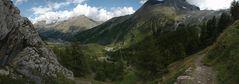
(198, 74)
(192, 70)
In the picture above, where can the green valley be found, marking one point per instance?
(136, 49)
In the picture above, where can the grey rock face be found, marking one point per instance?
(21, 48)
(177, 4)
(63, 30)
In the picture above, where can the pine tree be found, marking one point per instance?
(211, 27)
(79, 61)
(235, 10)
(224, 21)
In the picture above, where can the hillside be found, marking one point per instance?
(163, 42)
(145, 43)
(62, 30)
(224, 55)
(24, 57)
(152, 17)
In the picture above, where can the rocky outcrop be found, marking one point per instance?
(22, 52)
(177, 4)
(154, 6)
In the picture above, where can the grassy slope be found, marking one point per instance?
(175, 69)
(178, 68)
(165, 49)
(127, 30)
(224, 56)
(90, 50)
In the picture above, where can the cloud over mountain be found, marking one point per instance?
(53, 11)
(211, 4)
(207, 4)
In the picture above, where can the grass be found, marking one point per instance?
(129, 78)
(91, 50)
(89, 81)
(8, 80)
(178, 68)
(224, 56)
(61, 79)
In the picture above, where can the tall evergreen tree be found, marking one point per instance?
(224, 21)
(235, 10)
(212, 28)
(79, 63)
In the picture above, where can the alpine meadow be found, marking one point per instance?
(119, 42)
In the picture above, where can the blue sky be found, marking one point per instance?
(25, 7)
(99, 10)
(52, 10)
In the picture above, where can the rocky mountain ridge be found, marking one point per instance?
(62, 30)
(177, 4)
(168, 14)
(22, 52)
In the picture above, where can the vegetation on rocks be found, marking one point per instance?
(152, 46)
(224, 55)
(85, 61)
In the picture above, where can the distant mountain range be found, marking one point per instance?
(153, 16)
(163, 42)
(159, 34)
(62, 30)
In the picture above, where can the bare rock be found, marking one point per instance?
(185, 80)
(22, 49)
(4, 72)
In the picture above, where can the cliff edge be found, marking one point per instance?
(22, 52)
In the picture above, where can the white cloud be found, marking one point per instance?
(142, 1)
(56, 5)
(40, 10)
(99, 14)
(211, 4)
(76, 1)
(50, 7)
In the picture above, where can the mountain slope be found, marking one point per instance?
(152, 6)
(158, 34)
(197, 72)
(224, 55)
(23, 55)
(154, 16)
(64, 29)
(104, 29)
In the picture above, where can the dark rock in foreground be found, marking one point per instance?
(22, 52)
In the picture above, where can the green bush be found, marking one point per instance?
(72, 57)
(80, 61)
(108, 71)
